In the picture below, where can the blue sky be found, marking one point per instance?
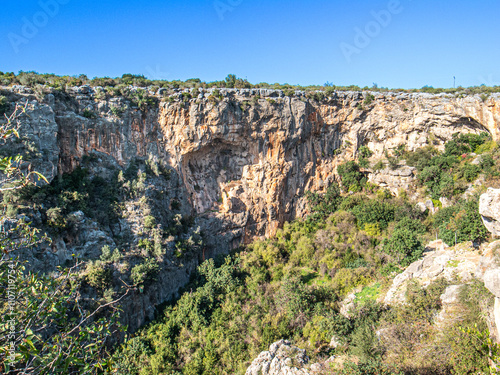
(394, 43)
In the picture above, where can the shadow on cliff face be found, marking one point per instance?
(468, 124)
(130, 226)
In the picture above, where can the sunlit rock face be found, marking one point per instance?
(240, 162)
(247, 158)
(489, 208)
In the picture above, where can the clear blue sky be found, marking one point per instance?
(288, 41)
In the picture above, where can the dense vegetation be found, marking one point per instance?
(32, 79)
(291, 286)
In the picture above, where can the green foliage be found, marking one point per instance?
(369, 99)
(379, 166)
(89, 114)
(326, 204)
(108, 256)
(469, 172)
(145, 272)
(404, 243)
(447, 174)
(57, 338)
(44, 328)
(98, 275)
(352, 178)
(56, 219)
(462, 219)
(365, 152)
(4, 105)
(373, 211)
(465, 143)
(149, 222)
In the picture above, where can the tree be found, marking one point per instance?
(326, 204)
(45, 328)
(404, 243)
(352, 178)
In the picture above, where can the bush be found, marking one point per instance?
(373, 211)
(326, 204)
(89, 114)
(470, 172)
(97, 275)
(108, 256)
(4, 105)
(404, 243)
(149, 222)
(56, 219)
(145, 272)
(351, 176)
(465, 143)
(464, 220)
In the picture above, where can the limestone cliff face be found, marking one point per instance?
(247, 159)
(240, 164)
(251, 163)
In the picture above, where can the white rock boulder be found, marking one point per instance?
(489, 208)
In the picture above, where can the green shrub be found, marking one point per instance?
(56, 219)
(326, 204)
(89, 114)
(404, 243)
(97, 275)
(149, 222)
(373, 211)
(4, 105)
(465, 143)
(145, 272)
(470, 172)
(421, 157)
(462, 220)
(369, 99)
(365, 152)
(351, 176)
(108, 256)
(379, 166)
(118, 112)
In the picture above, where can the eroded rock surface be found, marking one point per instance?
(282, 358)
(489, 208)
(459, 264)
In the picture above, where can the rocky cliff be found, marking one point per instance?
(240, 160)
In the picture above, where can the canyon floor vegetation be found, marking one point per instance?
(357, 237)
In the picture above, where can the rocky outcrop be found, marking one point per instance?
(394, 180)
(459, 264)
(489, 208)
(282, 358)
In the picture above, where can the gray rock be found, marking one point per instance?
(489, 208)
(282, 358)
(492, 281)
(451, 294)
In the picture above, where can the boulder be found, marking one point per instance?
(282, 358)
(489, 208)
